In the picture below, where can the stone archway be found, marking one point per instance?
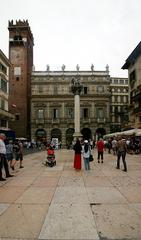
(56, 133)
(41, 135)
(87, 134)
(100, 132)
(69, 137)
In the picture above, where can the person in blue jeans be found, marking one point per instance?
(86, 151)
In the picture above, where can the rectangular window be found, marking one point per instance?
(3, 68)
(55, 113)
(55, 90)
(100, 113)
(4, 85)
(2, 104)
(40, 89)
(121, 81)
(116, 81)
(70, 113)
(85, 90)
(100, 89)
(85, 112)
(3, 123)
(132, 78)
(40, 114)
(116, 98)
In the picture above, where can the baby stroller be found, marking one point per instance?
(50, 157)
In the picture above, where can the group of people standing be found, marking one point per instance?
(10, 153)
(84, 149)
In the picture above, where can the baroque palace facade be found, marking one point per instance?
(43, 103)
(52, 104)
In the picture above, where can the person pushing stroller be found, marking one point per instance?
(50, 156)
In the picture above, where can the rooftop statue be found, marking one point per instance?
(77, 67)
(92, 67)
(63, 67)
(48, 68)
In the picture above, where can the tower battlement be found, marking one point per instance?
(19, 23)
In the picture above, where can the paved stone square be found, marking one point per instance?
(41, 203)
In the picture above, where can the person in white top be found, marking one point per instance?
(86, 152)
(3, 160)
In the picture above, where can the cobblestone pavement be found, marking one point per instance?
(61, 203)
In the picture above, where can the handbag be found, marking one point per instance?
(91, 158)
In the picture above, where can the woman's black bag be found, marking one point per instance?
(91, 158)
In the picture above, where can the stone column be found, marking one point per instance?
(76, 89)
(77, 113)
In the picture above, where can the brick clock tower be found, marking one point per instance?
(21, 57)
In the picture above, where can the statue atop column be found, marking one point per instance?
(76, 87)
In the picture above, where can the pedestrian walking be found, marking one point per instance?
(3, 160)
(77, 155)
(121, 153)
(9, 153)
(18, 151)
(100, 150)
(86, 152)
(114, 146)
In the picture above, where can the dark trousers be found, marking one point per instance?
(119, 155)
(3, 163)
(100, 154)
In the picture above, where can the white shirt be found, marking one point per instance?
(2, 147)
(86, 154)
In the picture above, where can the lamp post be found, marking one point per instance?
(76, 89)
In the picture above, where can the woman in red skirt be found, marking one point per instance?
(77, 156)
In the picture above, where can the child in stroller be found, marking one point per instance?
(50, 157)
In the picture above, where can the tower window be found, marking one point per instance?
(18, 38)
(17, 117)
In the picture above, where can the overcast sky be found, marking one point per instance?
(75, 32)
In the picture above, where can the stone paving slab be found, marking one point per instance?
(3, 207)
(10, 194)
(70, 195)
(92, 181)
(71, 181)
(21, 181)
(69, 221)
(132, 193)
(98, 195)
(123, 181)
(36, 195)
(117, 222)
(46, 182)
(23, 221)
